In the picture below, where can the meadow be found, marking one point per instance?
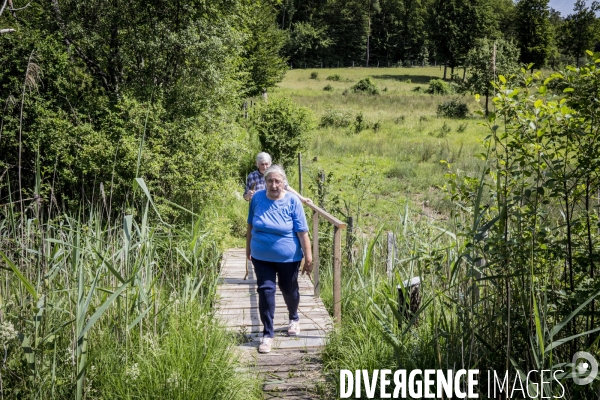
(391, 149)
(473, 214)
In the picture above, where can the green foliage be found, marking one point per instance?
(533, 31)
(365, 86)
(283, 129)
(455, 24)
(314, 75)
(522, 243)
(580, 30)
(160, 102)
(336, 118)
(453, 109)
(439, 86)
(479, 60)
(262, 47)
(306, 42)
(360, 123)
(328, 88)
(334, 77)
(192, 360)
(125, 306)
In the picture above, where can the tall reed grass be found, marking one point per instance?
(102, 308)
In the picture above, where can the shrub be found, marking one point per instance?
(439, 86)
(360, 123)
(334, 77)
(377, 126)
(365, 86)
(442, 131)
(402, 170)
(314, 75)
(328, 88)
(282, 129)
(453, 109)
(336, 118)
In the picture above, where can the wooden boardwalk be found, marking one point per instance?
(292, 369)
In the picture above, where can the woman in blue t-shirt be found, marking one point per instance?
(276, 240)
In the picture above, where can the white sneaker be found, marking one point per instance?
(294, 328)
(265, 345)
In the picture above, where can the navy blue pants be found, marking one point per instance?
(287, 277)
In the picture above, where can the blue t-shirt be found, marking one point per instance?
(274, 226)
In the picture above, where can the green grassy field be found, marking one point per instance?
(397, 154)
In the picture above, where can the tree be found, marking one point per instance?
(455, 26)
(131, 89)
(533, 31)
(306, 43)
(373, 7)
(282, 129)
(262, 49)
(581, 30)
(487, 60)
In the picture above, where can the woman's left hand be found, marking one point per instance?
(308, 267)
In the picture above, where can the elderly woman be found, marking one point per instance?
(256, 179)
(276, 241)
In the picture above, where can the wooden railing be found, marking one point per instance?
(337, 258)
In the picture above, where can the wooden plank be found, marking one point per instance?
(299, 343)
(246, 305)
(307, 327)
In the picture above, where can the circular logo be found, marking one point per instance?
(582, 368)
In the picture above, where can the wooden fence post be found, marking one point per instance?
(300, 173)
(391, 253)
(412, 289)
(349, 238)
(337, 276)
(315, 223)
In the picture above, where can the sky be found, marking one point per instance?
(564, 6)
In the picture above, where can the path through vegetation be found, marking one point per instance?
(293, 368)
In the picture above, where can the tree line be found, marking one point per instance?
(96, 93)
(422, 32)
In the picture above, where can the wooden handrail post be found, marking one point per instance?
(337, 276)
(315, 250)
(337, 258)
(300, 173)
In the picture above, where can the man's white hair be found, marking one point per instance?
(262, 156)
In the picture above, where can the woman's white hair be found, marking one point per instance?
(263, 157)
(278, 169)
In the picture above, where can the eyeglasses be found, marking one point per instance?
(273, 181)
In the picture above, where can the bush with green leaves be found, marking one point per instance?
(283, 129)
(365, 86)
(336, 118)
(158, 106)
(328, 88)
(334, 77)
(314, 75)
(453, 109)
(439, 86)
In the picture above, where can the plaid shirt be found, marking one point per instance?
(256, 182)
